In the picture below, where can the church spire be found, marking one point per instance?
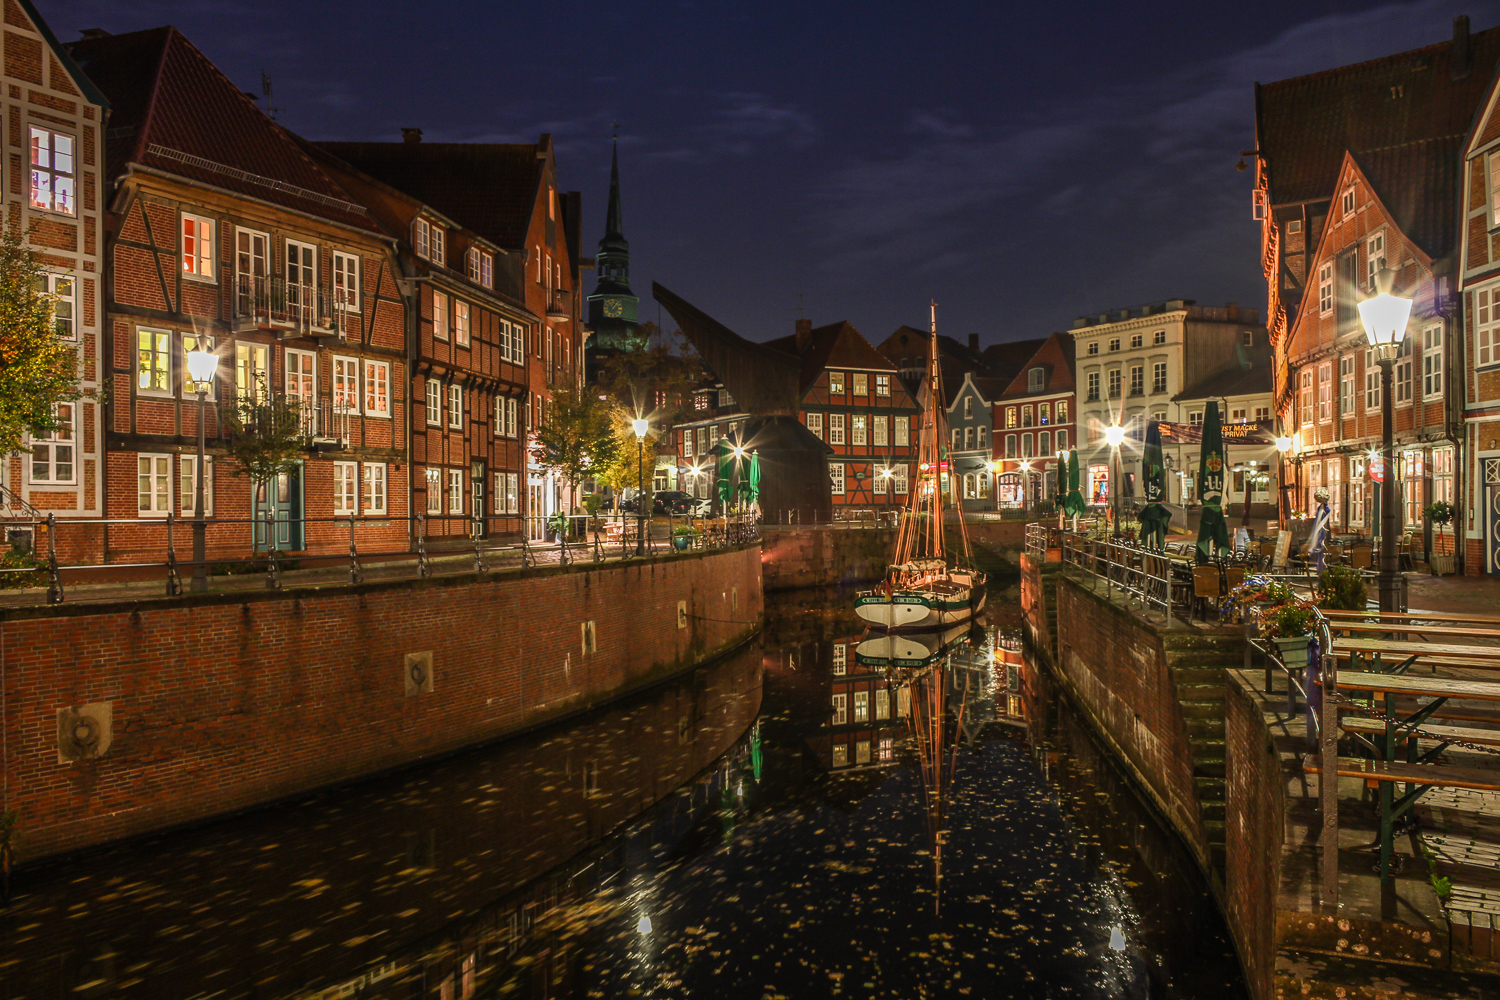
(613, 226)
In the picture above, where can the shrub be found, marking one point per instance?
(1288, 621)
(1439, 512)
(19, 570)
(1341, 588)
(685, 529)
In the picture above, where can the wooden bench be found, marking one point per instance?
(1436, 739)
(1409, 616)
(1441, 631)
(1400, 655)
(1419, 779)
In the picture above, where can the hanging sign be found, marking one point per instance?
(1377, 468)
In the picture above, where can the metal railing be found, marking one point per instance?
(542, 540)
(1139, 575)
(320, 418)
(841, 517)
(274, 302)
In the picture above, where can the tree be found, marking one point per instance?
(578, 435)
(265, 435)
(38, 370)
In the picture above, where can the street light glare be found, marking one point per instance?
(1114, 435)
(202, 364)
(640, 427)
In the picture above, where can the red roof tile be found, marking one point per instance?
(1305, 125)
(838, 345)
(173, 110)
(1418, 184)
(490, 188)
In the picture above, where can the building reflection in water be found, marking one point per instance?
(718, 836)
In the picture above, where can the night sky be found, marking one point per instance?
(1021, 164)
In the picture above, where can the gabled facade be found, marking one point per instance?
(1305, 125)
(468, 330)
(1477, 372)
(1034, 416)
(222, 230)
(854, 400)
(714, 414)
(1394, 208)
(507, 195)
(55, 120)
(970, 424)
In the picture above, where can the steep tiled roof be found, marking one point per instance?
(1055, 355)
(1418, 184)
(837, 345)
(1305, 124)
(173, 110)
(490, 188)
(1235, 381)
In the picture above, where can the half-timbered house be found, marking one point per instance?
(54, 116)
(222, 231)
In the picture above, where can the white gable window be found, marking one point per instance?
(861, 384)
(197, 247)
(903, 432)
(52, 172)
(346, 281)
(439, 315)
(460, 323)
(52, 452)
(346, 384)
(421, 237)
(153, 485)
(1036, 379)
(815, 424)
(835, 428)
(434, 402)
(836, 475)
(1494, 172)
(858, 429)
(345, 476)
(486, 269)
(455, 406)
(1374, 257)
(377, 389)
(471, 259)
(1347, 201)
(1432, 362)
(1487, 326)
(1325, 289)
(880, 429)
(375, 487)
(63, 290)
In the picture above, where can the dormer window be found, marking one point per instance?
(471, 263)
(1036, 380)
(428, 239)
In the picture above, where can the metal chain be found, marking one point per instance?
(1345, 702)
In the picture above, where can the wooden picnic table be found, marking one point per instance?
(1430, 687)
(1411, 774)
(1410, 629)
(1398, 616)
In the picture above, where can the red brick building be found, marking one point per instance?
(55, 114)
(854, 399)
(506, 195)
(1034, 419)
(222, 230)
(469, 385)
(1477, 385)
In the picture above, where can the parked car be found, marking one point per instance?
(662, 502)
(693, 507)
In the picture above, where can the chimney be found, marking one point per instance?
(411, 135)
(1232, 310)
(804, 333)
(1463, 58)
(91, 34)
(974, 342)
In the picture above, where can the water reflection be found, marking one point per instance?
(877, 820)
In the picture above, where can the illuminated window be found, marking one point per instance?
(52, 171)
(197, 246)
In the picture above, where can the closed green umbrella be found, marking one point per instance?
(1073, 506)
(1213, 532)
(750, 480)
(725, 463)
(1155, 518)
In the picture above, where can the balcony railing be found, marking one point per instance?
(271, 302)
(320, 419)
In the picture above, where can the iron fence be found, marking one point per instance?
(1139, 575)
(562, 539)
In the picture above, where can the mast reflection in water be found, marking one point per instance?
(882, 830)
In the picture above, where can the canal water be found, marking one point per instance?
(810, 817)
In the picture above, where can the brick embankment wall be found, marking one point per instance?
(204, 705)
(1254, 833)
(1116, 666)
(824, 556)
(1039, 605)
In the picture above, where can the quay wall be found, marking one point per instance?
(1255, 785)
(824, 556)
(120, 719)
(1115, 665)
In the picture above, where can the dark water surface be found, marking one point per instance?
(788, 822)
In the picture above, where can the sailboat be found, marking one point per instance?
(923, 589)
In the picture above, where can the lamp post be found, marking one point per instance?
(202, 364)
(1114, 436)
(885, 476)
(640, 427)
(1283, 512)
(1384, 317)
(1025, 488)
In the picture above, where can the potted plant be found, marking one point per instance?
(1341, 588)
(1440, 513)
(1255, 591)
(682, 537)
(1290, 627)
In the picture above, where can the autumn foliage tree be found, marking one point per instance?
(578, 436)
(38, 369)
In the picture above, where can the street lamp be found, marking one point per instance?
(202, 365)
(885, 475)
(1384, 317)
(1114, 436)
(1025, 487)
(640, 427)
(1283, 508)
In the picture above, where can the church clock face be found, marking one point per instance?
(613, 308)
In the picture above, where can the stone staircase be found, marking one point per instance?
(1197, 664)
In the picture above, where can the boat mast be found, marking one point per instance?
(932, 449)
